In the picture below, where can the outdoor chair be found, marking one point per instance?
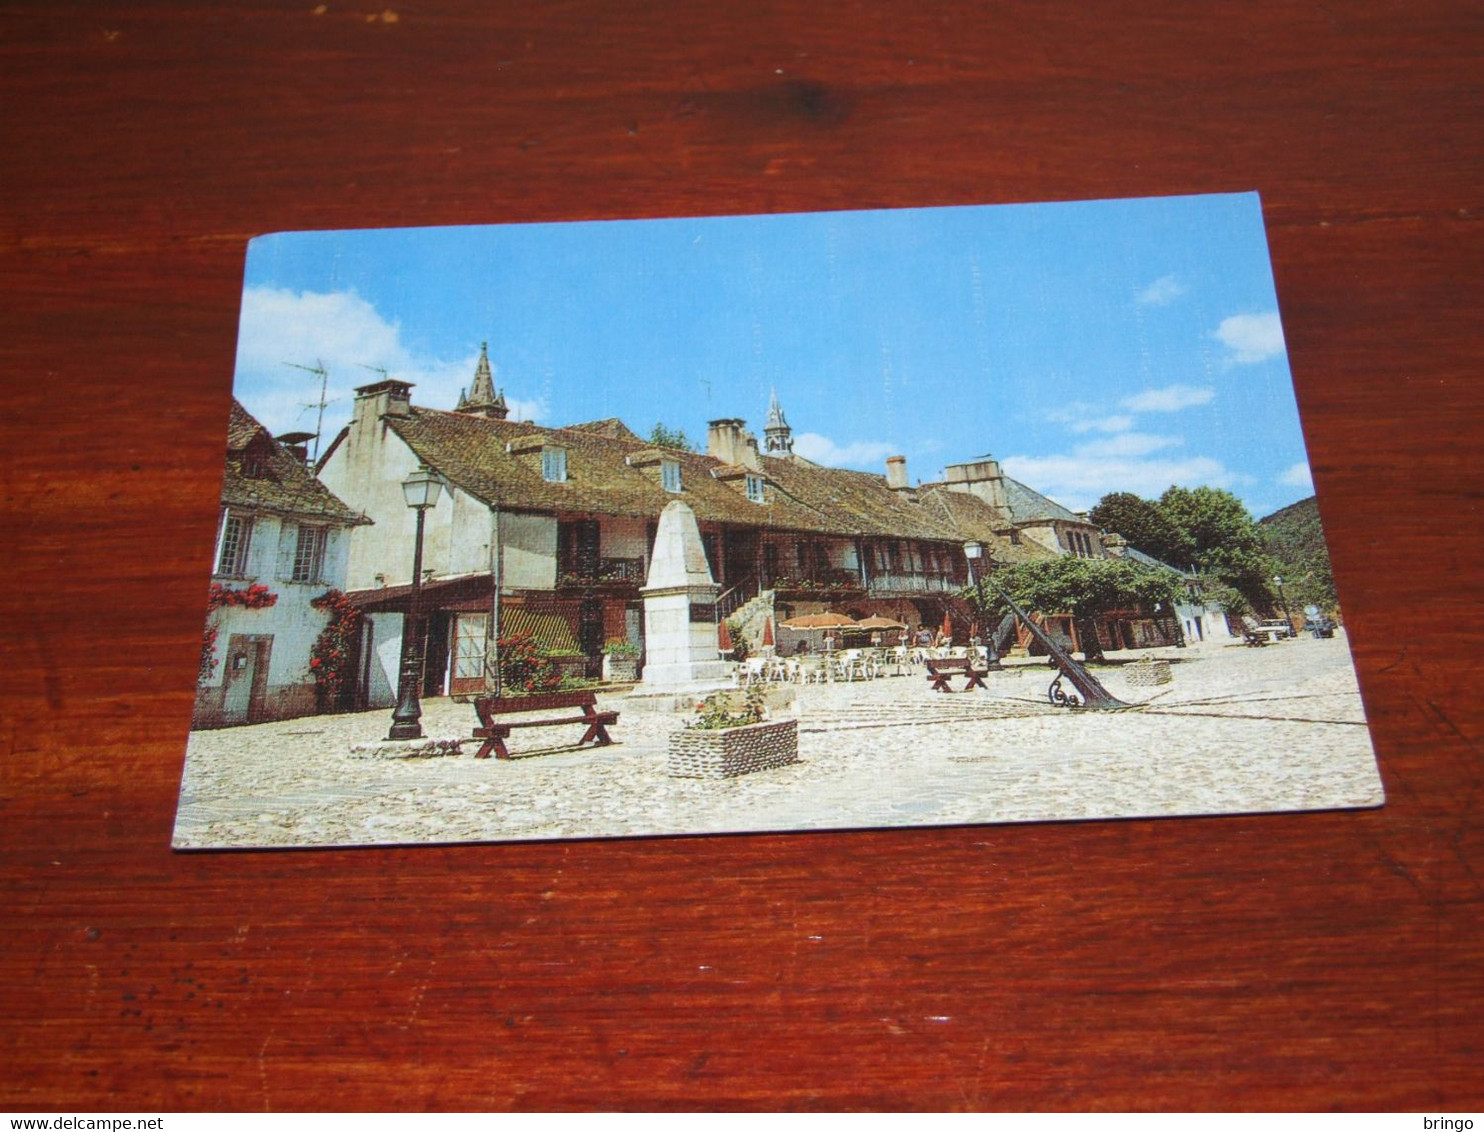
(753, 670)
(810, 670)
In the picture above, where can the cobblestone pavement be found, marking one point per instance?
(1238, 730)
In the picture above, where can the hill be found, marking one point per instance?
(1295, 539)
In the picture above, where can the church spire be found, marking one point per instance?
(482, 397)
(777, 436)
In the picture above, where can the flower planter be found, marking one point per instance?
(733, 751)
(571, 667)
(621, 669)
(1149, 672)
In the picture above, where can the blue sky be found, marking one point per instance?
(1090, 346)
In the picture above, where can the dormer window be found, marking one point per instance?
(670, 475)
(554, 464)
(755, 485)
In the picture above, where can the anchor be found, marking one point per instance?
(1093, 694)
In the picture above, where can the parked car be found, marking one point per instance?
(1320, 627)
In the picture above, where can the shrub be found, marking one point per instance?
(719, 711)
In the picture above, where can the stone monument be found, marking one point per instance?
(680, 640)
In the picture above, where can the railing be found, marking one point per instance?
(735, 598)
(623, 571)
(915, 583)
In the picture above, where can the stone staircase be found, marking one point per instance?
(751, 617)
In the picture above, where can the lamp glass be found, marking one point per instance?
(973, 549)
(421, 489)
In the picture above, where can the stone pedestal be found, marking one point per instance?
(680, 611)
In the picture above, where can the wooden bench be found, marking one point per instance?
(494, 729)
(940, 672)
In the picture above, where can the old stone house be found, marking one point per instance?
(283, 539)
(561, 520)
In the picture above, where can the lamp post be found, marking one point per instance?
(973, 551)
(421, 490)
(1283, 604)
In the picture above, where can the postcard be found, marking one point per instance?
(820, 521)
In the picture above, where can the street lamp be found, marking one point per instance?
(421, 490)
(1283, 603)
(973, 551)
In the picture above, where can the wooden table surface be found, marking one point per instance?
(1306, 961)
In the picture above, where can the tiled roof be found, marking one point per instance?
(472, 453)
(1149, 560)
(857, 503)
(611, 427)
(1027, 505)
(279, 481)
(973, 518)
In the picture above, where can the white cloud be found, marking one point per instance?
(1117, 423)
(1251, 337)
(1079, 481)
(1170, 399)
(1127, 444)
(1297, 475)
(868, 455)
(1162, 292)
(281, 328)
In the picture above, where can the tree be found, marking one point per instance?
(1144, 525)
(1295, 539)
(1224, 540)
(662, 437)
(1082, 587)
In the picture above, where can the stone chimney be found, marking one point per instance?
(981, 477)
(896, 473)
(729, 441)
(389, 398)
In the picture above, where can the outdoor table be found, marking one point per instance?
(941, 672)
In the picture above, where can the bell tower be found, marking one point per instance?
(778, 438)
(482, 398)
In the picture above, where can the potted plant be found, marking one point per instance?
(621, 662)
(729, 738)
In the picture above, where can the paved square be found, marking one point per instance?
(1239, 730)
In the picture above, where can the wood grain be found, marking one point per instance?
(1304, 961)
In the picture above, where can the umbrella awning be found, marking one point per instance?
(819, 621)
(876, 621)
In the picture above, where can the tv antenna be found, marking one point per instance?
(323, 374)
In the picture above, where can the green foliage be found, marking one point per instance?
(662, 437)
(1295, 540)
(625, 650)
(1230, 600)
(1082, 587)
(720, 711)
(1204, 527)
(740, 649)
(1146, 527)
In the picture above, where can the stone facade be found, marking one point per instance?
(733, 752)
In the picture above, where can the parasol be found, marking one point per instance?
(818, 621)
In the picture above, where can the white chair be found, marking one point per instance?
(754, 670)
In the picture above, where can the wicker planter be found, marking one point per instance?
(734, 751)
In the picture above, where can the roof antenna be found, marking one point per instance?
(324, 382)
